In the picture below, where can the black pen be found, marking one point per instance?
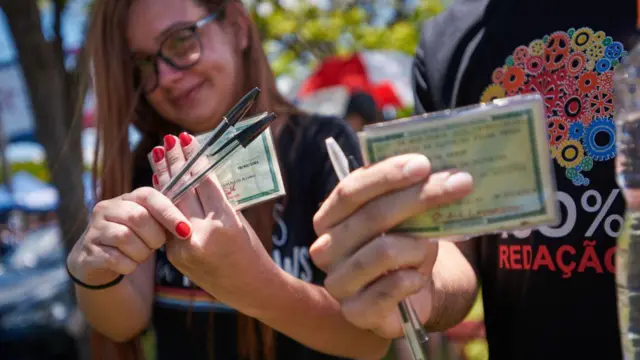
(240, 140)
(236, 113)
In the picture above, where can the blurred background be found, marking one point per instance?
(350, 58)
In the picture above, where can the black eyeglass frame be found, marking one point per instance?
(193, 28)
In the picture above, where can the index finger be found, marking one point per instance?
(162, 209)
(365, 184)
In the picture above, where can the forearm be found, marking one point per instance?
(120, 312)
(455, 288)
(308, 314)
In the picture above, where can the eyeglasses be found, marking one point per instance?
(180, 49)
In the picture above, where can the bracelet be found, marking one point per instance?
(114, 282)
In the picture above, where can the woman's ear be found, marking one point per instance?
(239, 21)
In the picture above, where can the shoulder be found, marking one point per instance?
(443, 39)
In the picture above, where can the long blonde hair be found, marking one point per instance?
(119, 104)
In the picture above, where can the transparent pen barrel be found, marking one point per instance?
(413, 330)
(190, 182)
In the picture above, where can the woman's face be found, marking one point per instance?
(195, 98)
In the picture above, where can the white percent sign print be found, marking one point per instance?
(592, 202)
(602, 210)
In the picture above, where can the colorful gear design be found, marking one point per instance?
(536, 47)
(513, 79)
(557, 130)
(509, 61)
(601, 103)
(498, 75)
(580, 180)
(569, 153)
(614, 50)
(587, 163)
(587, 82)
(595, 51)
(571, 87)
(576, 130)
(576, 63)
(587, 115)
(605, 81)
(572, 108)
(571, 173)
(603, 65)
(581, 39)
(492, 92)
(534, 65)
(521, 54)
(573, 71)
(556, 50)
(600, 139)
(599, 37)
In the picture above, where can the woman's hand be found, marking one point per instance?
(123, 233)
(368, 273)
(223, 254)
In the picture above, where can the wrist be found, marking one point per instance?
(79, 268)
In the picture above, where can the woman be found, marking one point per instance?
(180, 64)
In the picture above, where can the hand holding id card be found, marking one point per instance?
(503, 145)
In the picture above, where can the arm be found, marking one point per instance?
(120, 312)
(455, 284)
(308, 314)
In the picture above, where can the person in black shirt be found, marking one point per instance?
(361, 111)
(179, 65)
(548, 293)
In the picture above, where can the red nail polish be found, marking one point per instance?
(183, 230)
(185, 139)
(169, 142)
(157, 154)
(154, 178)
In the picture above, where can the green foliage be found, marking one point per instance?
(343, 29)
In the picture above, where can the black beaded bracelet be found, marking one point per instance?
(115, 282)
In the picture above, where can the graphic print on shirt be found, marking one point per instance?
(573, 71)
(296, 261)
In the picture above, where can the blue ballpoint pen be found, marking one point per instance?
(413, 330)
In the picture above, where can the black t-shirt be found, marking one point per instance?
(184, 315)
(548, 293)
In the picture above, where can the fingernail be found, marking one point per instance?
(183, 230)
(157, 154)
(185, 139)
(459, 181)
(417, 168)
(169, 142)
(154, 179)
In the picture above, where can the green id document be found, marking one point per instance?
(250, 175)
(503, 146)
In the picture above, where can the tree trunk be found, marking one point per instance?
(53, 92)
(42, 64)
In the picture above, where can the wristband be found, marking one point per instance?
(114, 282)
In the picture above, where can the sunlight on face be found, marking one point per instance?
(197, 97)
